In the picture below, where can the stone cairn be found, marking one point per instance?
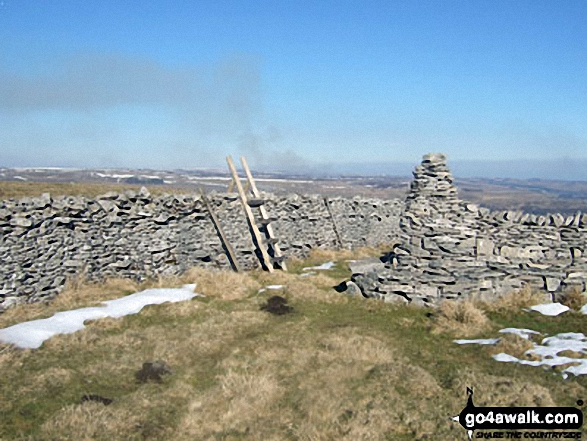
(432, 192)
(450, 249)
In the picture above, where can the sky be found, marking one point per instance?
(499, 86)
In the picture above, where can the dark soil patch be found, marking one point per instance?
(277, 305)
(152, 371)
(97, 399)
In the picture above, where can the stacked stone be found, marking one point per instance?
(45, 241)
(443, 248)
(432, 192)
(449, 249)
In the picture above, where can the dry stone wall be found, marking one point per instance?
(45, 241)
(442, 247)
(451, 249)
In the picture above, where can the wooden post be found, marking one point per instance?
(264, 214)
(250, 217)
(230, 252)
(327, 203)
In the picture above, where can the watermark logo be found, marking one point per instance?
(509, 420)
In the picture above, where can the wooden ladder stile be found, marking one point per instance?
(266, 260)
(227, 246)
(232, 185)
(272, 240)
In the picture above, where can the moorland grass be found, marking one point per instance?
(335, 368)
(16, 190)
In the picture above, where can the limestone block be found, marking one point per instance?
(538, 266)
(484, 247)
(427, 290)
(366, 265)
(396, 299)
(577, 275)
(353, 289)
(467, 244)
(107, 206)
(551, 284)
(21, 222)
(557, 219)
(576, 253)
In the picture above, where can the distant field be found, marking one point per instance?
(10, 190)
(538, 197)
(530, 196)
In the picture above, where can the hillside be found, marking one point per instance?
(336, 367)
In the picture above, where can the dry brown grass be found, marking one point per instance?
(337, 369)
(318, 287)
(460, 318)
(574, 298)
(516, 300)
(90, 421)
(222, 284)
(512, 344)
(359, 253)
(317, 374)
(239, 404)
(571, 354)
(331, 408)
(492, 390)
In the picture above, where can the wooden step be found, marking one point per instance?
(268, 220)
(254, 203)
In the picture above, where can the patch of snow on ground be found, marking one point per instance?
(32, 334)
(273, 287)
(480, 341)
(524, 333)
(550, 309)
(548, 350)
(583, 310)
(324, 266)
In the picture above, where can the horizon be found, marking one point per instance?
(484, 170)
(497, 86)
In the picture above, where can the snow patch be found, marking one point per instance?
(324, 266)
(550, 309)
(272, 287)
(32, 334)
(479, 341)
(524, 333)
(547, 351)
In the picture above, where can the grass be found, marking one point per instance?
(336, 368)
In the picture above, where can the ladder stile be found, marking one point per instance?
(264, 215)
(251, 218)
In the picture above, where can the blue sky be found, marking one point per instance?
(297, 84)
